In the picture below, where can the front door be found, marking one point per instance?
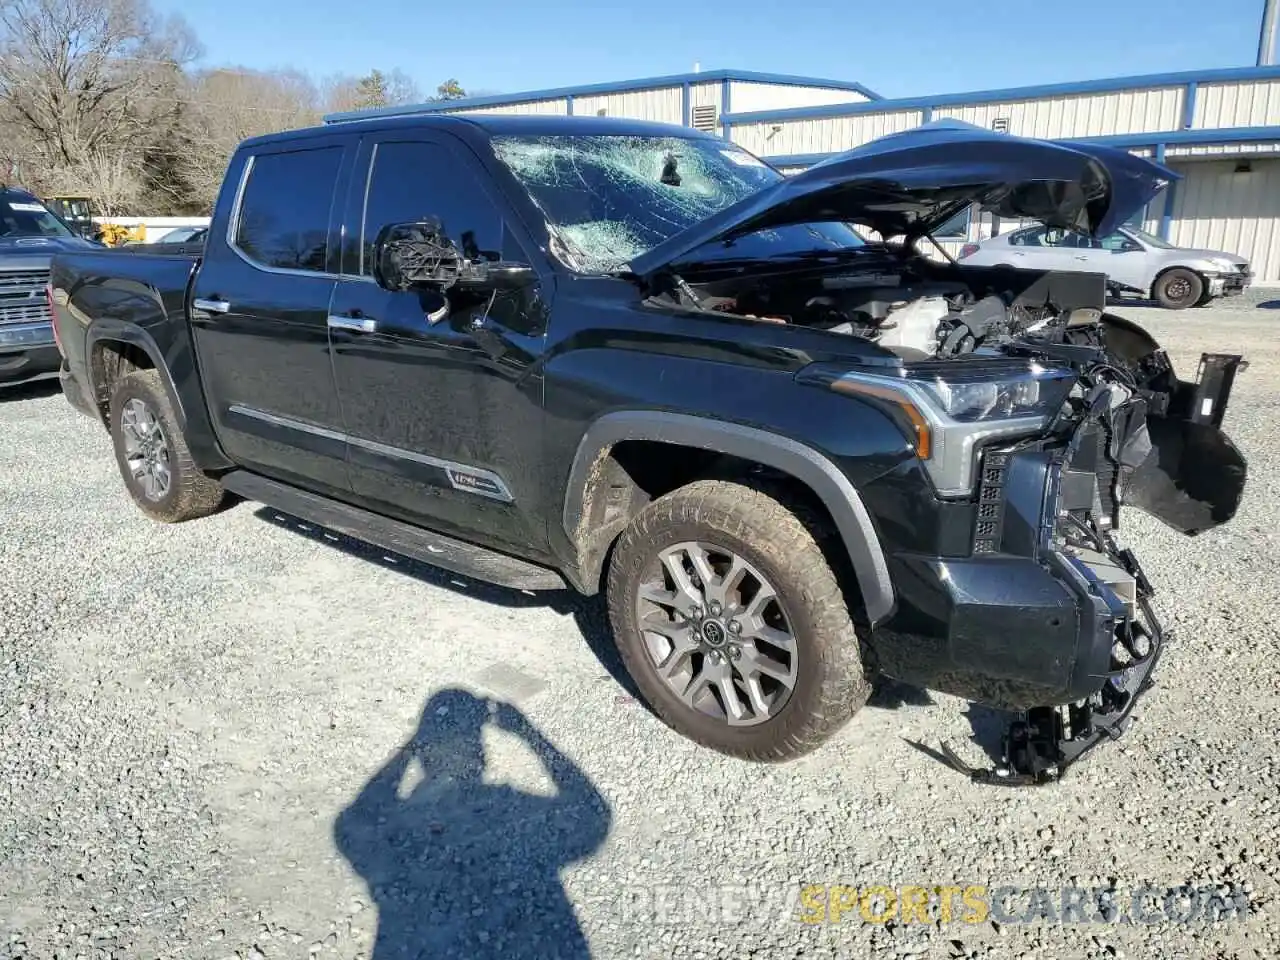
(443, 410)
(1125, 260)
(259, 314)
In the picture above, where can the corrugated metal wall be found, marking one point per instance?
(1252, 104)
(663, 105)
(746, 96)
(557, 106)
(1216, 207)
(821, 136)
(1100, 114)
(705, 95)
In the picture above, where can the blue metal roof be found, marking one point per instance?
(1125, 140)
(616, 86)
(1105, 85)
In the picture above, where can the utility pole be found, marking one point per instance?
(1267, 39)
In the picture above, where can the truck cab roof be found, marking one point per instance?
(484, 126)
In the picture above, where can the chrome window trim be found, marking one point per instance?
(233, 227)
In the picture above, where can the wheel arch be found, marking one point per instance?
(600, 498)
(1155, 281)
(130, 343)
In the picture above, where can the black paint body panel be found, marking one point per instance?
(373, 421)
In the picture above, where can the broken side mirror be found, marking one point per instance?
(420, 255)
(414, 255)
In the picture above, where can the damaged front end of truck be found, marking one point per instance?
(1029, 415)
(1138, 436)
(1096, 419)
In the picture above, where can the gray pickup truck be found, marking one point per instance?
(29, 237)
(1135, 262)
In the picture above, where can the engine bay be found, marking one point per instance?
(913, 308)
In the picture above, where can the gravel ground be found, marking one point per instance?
(215, 741)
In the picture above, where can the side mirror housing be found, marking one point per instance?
(420, 255)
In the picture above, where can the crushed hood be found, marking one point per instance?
(912, 182)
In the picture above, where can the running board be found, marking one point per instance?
(402, 538)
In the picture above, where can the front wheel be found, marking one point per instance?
(732, 623)
(1179, 289)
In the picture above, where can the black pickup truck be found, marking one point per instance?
(635, 358)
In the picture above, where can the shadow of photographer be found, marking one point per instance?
(459, 866)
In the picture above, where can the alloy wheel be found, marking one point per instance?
(146, 449)
(716, 633)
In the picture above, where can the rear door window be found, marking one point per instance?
(284, 214)
(1027, 238)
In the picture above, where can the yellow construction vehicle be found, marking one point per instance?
(77, 212)
(80, 213)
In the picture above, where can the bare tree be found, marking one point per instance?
(112, 179)
(227, 106)
(96, 98)
(82, 82)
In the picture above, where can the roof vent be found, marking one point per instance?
(1000, 124)
(704, 118)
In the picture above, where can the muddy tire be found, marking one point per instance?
(152, 455)
(1178, 289)
(732, 623)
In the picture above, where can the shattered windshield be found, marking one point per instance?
(610, 198)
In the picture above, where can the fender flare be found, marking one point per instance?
(796, 459)
(117, 331)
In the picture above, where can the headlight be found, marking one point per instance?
(945, 411)
(1226, 266)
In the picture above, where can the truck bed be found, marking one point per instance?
(137, 299)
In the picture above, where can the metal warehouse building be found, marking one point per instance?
(1219, 128)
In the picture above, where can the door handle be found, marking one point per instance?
(211, 306)
(353, 324)
(1082, 258)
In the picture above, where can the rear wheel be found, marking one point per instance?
(732, 623)
(1178, 289)
(152, 455)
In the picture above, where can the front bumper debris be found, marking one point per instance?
(1155, 445)
(1045, 742)
(1228, 284)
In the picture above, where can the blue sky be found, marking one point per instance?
(896, 47)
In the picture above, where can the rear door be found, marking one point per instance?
(1047, 248)
(259, 309)
(443, 414)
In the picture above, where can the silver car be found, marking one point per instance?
(1135, 262)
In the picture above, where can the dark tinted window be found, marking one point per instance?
(284, 217)
(22, 215)
(1027, 238)
(414, 180)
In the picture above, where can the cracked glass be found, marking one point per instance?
(608, 198)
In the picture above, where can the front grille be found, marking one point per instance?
(23, 280)
(22, 296)
(988, 527)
